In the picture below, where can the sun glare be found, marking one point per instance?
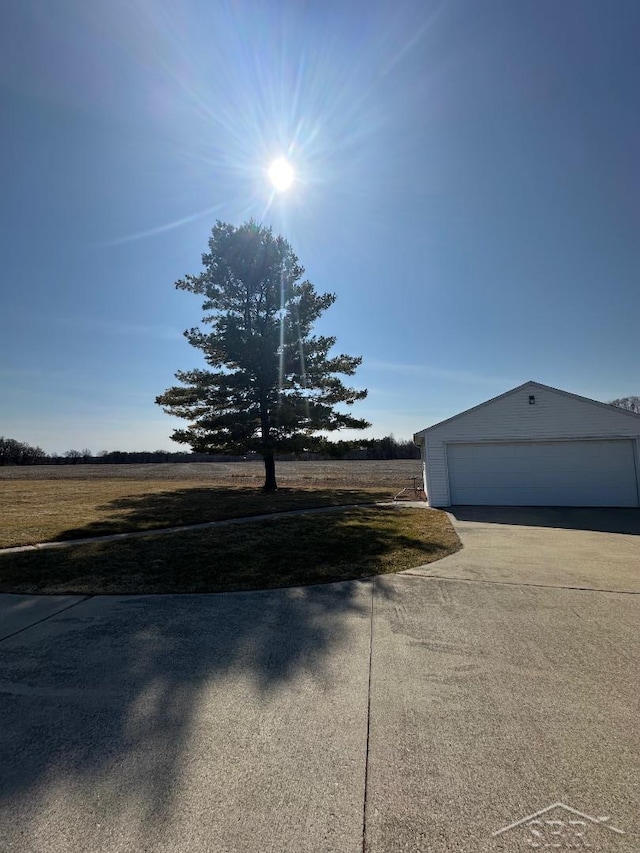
(281, 174)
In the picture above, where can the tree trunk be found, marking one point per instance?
(270, 484)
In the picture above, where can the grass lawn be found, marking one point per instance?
(347, 545)
(42, 503)
(37, 510)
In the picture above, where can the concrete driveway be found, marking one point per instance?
(411, 713)
(559, 547)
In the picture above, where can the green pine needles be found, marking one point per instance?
(272, 385)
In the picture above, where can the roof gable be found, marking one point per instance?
(528, 385)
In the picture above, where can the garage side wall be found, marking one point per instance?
(512, 418)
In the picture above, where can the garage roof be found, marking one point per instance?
(419, 436)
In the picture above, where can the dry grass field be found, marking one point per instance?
(392, 474)
(45, 503)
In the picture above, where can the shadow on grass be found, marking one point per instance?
(604, 519)
(179, 507)
(281, 551)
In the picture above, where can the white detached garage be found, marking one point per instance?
(534, 446)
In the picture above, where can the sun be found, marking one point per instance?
(281, 174)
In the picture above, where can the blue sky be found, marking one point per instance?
(468, 183)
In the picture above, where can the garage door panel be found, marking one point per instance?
(562, 473)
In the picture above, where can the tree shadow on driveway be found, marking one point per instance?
(235, 721)
(158, 722)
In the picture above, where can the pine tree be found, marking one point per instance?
(273, 385)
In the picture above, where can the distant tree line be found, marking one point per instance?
(14, 452)
(388, 447)
(142, 457)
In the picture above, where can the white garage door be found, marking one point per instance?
(549, 473)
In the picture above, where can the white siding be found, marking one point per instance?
(554, 415)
